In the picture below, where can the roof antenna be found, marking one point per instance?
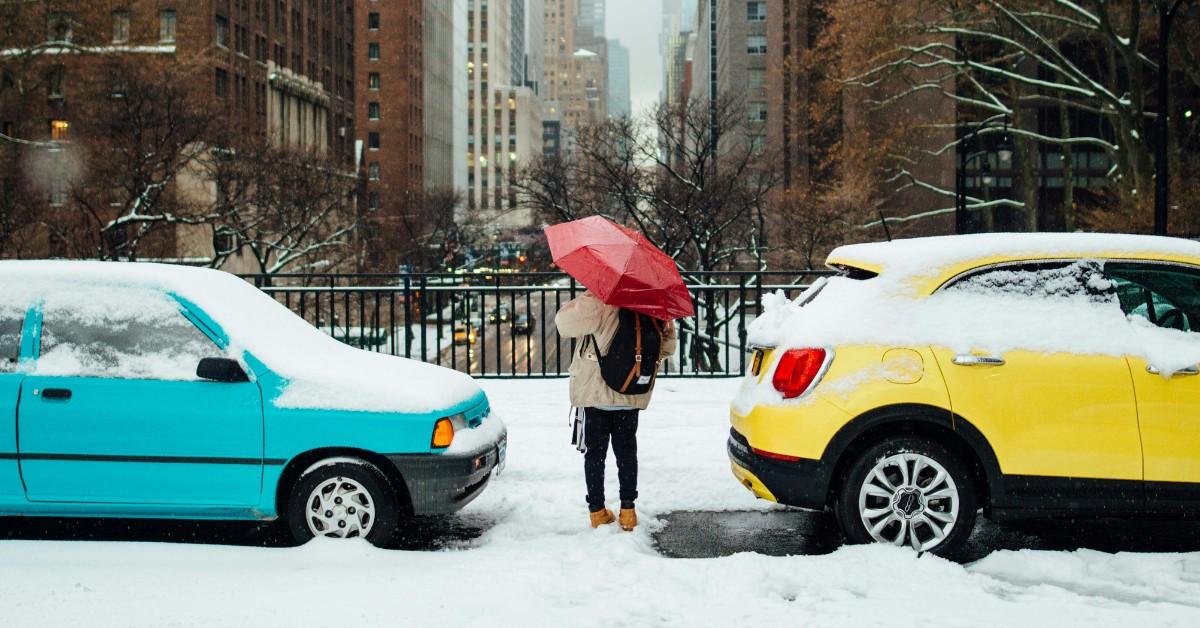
(883, 221)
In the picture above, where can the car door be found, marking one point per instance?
(113, 412)
(1168, 399)
(1063, 426)
(11, 324)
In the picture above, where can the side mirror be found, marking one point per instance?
(221, 370)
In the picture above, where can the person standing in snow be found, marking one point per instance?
(607, 414)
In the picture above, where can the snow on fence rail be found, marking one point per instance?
(501, 325)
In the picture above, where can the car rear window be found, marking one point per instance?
(1083, 278)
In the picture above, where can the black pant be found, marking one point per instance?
(621, 427)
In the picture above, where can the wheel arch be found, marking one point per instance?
(935, 423)
(298, 464)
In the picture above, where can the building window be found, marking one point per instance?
(58, 130)
(222, 31)
(55, 78)
(120, 27)
(756, 44)
(372, 201)
(166, 26)
(373, 51)
(373, 171)
(373, 140)
(373, 21)
(222, 83)
(373, 81)
(373, 111)
(756, 11)
(757, 111)
(757, 79)
(58, 27)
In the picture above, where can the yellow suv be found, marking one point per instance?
(1027, 375)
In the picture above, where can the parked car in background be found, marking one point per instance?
(1028, 376)
(153, 391)
(523, 324)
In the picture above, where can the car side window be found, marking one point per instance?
(11, 321)
(1166, 295)
(1083, 278)
(120, 333)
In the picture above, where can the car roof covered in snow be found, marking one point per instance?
(941, 257)
(321, 372)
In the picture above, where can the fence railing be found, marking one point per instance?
(502, 325)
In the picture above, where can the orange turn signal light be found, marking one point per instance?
(443, 433)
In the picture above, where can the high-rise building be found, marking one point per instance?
(576, 67)
(742, 62)
(390, 94)
(787, 87)
(590, 21)
(535, 47)
(676, 65)
(672, 24)
(619, 103)
(445, 93)
(517, 48)
(704, 61)
(504, 116)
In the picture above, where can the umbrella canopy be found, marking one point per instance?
(620, 266)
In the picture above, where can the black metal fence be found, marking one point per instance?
(502, 325)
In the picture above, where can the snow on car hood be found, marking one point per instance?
(319, 372)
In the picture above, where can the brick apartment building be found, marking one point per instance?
(390, 98)
(281, 69)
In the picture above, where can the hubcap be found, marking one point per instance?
(340, 508)
(908, 499)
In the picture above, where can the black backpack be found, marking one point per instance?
(631, 363)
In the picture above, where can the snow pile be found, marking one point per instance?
(541, 565)
(320, 372)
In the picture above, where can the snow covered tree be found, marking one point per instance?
(1060, 80)
(291, 209)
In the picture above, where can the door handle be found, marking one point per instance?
(966, 359)
(56, 393)
(1191, 370)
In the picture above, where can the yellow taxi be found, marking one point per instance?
(464, 334)
(1024, 375)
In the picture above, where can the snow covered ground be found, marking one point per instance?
(540, 565)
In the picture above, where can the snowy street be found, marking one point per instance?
(526, 556)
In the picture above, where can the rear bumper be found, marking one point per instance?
(439, 484)
(804, 484)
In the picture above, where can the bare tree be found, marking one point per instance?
(1003, 64)
(291, 209)
(688, 177)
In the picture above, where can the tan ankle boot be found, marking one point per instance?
(602, 517)
(628, 519)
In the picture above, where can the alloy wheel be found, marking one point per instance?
(909, 499)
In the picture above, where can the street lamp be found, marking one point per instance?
(965, 157)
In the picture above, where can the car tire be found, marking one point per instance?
(343, 498)
(908, 491)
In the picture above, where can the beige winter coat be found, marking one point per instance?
(586, 315)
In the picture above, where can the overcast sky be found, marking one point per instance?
(636, 23)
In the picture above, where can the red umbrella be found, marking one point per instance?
(621, 267)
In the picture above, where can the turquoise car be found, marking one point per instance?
(155, 391)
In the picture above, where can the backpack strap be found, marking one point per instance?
(636, 369)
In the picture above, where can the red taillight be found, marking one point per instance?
(774, 456)
(796, 371)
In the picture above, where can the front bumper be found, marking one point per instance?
(804, 483)
(439, 484)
